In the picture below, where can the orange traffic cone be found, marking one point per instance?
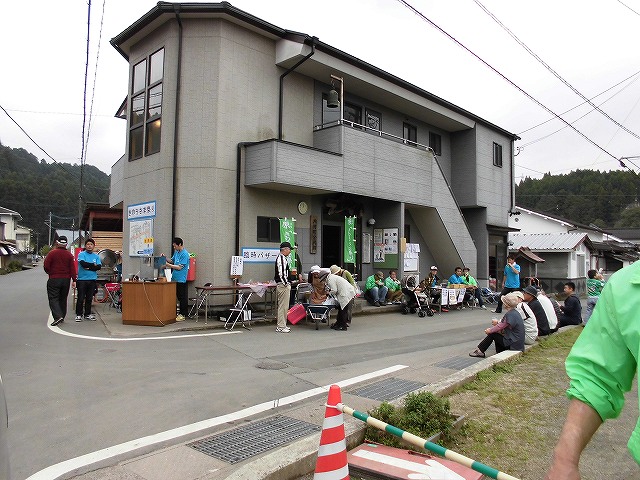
(332, 454)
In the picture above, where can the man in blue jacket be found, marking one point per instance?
(88, 266)
(179, 263)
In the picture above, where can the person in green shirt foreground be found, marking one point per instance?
(472, 288)
(601, 367)
(394, 294)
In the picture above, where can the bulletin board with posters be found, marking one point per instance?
(141, 238)
(385, 247)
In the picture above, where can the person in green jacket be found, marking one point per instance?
(601, 367)
(394, 293)
(595, 284)
(375, 290)
(473, 287)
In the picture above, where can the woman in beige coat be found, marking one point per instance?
(344, 292)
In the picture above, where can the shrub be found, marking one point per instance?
(422, 414)
(14, 266)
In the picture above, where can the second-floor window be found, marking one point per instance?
(497, 154)
(374, 120)
(435, 142)
(409, 134)
(146, 106)
(352, 113)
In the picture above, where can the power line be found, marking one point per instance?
(624, 4)
(556, 74)
(45, 152)
(426, 19)
(95, 77)
(581, 104)
(579, 118)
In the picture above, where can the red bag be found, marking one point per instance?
(296, 313)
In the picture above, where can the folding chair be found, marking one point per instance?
(240, 312)
(114, 294)
(198, 302)
(488, 295)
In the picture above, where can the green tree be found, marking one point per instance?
(630, 218)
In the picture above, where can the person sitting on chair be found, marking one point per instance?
(429, 284)
(318, 280)
(472, 286)
(456, 279)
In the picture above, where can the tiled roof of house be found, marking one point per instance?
(6, 211)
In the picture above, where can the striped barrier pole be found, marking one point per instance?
(422, 443)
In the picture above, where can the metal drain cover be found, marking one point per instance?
(254, 438)
(388, 389)
(457, 363)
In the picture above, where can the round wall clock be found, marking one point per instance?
(303, 207)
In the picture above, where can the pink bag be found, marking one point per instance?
(296, 313)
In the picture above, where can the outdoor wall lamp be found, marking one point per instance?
(371, 221)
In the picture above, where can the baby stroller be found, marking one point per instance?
(414, 301)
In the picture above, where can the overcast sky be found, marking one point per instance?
(592, 45)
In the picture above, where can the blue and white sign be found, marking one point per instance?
(141, 210)
(259, 255)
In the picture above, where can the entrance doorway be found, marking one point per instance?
(331, 245)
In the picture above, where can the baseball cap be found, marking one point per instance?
(433, 267)
(62, 240)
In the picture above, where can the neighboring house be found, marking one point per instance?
(104, 225)
(23, 239)
(608, 251)
(8, 224)
(9, 250)
(566, 257)
(231, 124)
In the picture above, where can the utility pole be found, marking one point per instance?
(49, 228)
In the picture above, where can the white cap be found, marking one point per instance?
(315, 268)
(433, 267)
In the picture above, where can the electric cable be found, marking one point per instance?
(624, 4)
(579, 118)
(520, 89)
(95, 77)
(61, 165)
(581, 104)
(556, 74)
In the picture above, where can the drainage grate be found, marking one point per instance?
(457, 363)
(388, 389)
(254, 438)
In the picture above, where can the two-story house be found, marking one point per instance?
(233, 123)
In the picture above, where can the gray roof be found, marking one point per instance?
(6, 211)
(547, 241)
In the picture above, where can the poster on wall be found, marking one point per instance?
(378, 245)
(366, 248)
(390, 240)
(141, 237)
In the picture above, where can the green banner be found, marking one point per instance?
(288, 234)
(287, 230)
(349, 239)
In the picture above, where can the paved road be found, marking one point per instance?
(69, 396)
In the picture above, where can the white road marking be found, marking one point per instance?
(59, 469)
(59, 331)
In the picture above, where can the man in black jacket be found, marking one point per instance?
(572, 309)
(531, 297)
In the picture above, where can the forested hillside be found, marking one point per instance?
(585, 196)
(33, 188)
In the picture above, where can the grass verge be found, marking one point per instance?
(508, 408)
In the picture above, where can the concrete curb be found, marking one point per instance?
(298, 459)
